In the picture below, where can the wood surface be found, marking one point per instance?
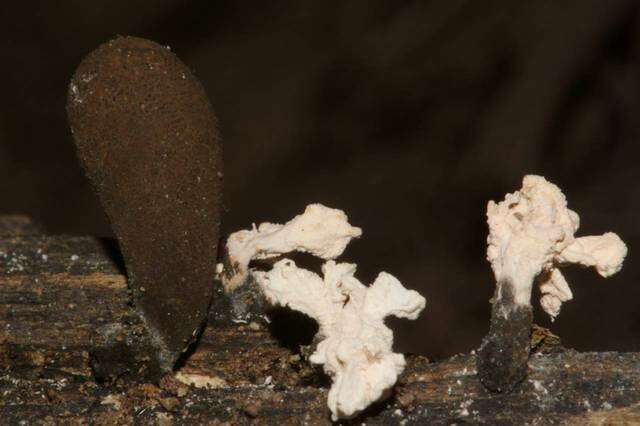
(60, 296)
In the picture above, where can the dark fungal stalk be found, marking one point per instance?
(502, 358)
(147, 138)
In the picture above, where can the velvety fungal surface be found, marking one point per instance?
(502, 358)
(147, 138)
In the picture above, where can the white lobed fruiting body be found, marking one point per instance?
(531, 233)
(320, 230)
(606, 253)
(356, 346)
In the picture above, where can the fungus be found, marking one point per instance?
(355, 346)
(321, 231)
(604, 252)
(531, 234)
(147, 138)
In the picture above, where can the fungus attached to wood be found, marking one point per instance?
(355, 346)
(147, 138)
(531, 234)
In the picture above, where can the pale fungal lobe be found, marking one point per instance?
(321, 231)
(531, 234)
(356, 346)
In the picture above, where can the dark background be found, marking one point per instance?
(409, 116)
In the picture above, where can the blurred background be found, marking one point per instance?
(409, 116)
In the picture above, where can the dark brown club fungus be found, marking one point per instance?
(147, 138)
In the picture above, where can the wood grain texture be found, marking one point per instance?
(53, 311)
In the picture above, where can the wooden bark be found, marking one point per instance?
(60, 296)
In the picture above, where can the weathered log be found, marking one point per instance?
(60, 296)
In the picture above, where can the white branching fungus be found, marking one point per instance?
(532, 234)
(320, 230)
(356, 346)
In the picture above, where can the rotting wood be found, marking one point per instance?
(60, 295)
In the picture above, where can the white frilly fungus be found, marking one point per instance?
(356, 346)
(531, 234)
(321, 231)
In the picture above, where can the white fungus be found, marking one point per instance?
(355, 345)
(320, 230)
(531, 234)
